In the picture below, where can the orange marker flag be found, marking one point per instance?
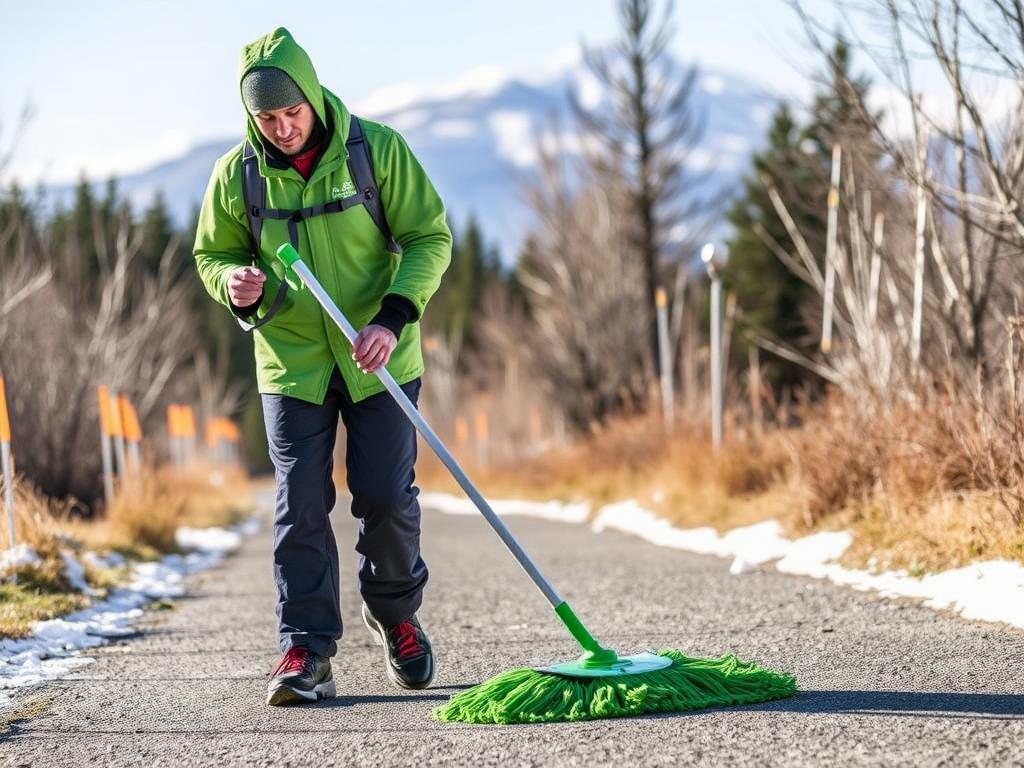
(480, 425)
(461, 430)
(106, 420)
(212, 432)
(174, 420)
(122, 415)
(188, 421)
(133, 430)
(114, 410)
(5, 422)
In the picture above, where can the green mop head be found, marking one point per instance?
(532, 696)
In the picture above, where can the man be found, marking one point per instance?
(308, 374)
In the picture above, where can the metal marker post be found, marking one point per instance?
(830, 249)
(876, 266)
(5, 459)
(707, 255)
(118, 435)
(106, 450)
(665, 356)
(174, 434)
(132, 436)
(919, 244)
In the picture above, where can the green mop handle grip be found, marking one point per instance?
(291, 259)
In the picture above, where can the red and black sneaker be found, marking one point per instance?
(300, 676)
(408, 657)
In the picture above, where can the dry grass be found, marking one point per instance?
(142, 521)
(931, 482)
(36, 520)
(675, 474)
(23, 603)
(140, 524)
(950, 530)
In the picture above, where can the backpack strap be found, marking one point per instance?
(254, 195)
(360, 167)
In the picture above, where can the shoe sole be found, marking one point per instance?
(378, 635)
(284, 694)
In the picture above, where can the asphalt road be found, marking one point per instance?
(882, 683)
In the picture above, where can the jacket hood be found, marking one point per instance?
(279, 49)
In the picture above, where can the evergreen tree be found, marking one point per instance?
(457, 304)
(157, 233)
(797, 160)
(770, 294)
(75, 235)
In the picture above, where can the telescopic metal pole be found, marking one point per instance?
(300, 268)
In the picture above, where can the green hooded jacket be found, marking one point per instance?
(296, 350)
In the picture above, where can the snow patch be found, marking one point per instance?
(548, 510)
(409, 119)
(453, 129)
(55, 646)
(513, 135)
(111, 560)
(207, 539)
(17, 556)
(589, 89)
(481, 81)
(987, 591)
(74, 572)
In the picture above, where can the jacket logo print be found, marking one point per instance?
(346, 189)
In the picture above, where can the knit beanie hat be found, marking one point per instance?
(265, 89)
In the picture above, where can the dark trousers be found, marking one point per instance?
(380, 454)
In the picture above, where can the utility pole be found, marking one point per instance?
(665, 356)
(707, 255)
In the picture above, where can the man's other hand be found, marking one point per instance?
(245, 286)
(373, 347)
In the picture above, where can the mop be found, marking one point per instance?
(598, 684)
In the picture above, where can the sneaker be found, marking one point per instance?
(408, 657)
(300, 676)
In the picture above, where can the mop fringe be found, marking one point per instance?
(529, 696)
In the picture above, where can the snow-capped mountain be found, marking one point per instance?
(477, 135)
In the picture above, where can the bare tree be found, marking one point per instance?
(965, 151)
(652, 128)
(132, 331)
(585, 294)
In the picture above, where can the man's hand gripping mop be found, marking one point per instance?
(600, 683)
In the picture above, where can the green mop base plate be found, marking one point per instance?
(637, 664)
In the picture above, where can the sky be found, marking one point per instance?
(116, 86)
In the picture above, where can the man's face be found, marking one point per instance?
(287, 128)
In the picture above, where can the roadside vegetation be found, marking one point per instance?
(871, 298)
(926, 488)
(140, 525)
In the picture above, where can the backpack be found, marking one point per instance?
(254, 194)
